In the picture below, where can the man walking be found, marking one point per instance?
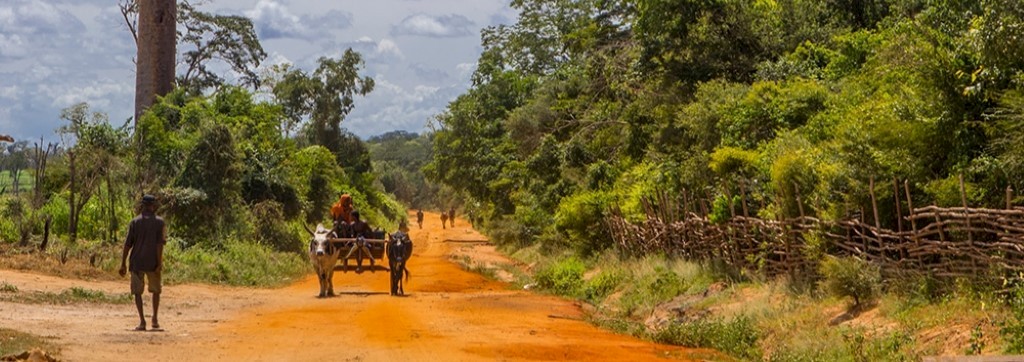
(147, 234)
(419, 218)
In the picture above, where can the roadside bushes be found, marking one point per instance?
(581, 216)
(851, 277)
(564, 277)
(737, 337)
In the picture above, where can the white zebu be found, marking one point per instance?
(324, 257)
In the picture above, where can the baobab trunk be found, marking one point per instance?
(154, 74)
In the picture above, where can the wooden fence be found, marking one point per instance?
(943, 242)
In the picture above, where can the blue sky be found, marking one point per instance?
(56, 53)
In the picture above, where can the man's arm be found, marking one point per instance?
(160, 249)
(128, 242)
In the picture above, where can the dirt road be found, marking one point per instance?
(449, 315)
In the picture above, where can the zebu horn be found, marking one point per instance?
(311, 233)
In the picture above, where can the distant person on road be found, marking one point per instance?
(419, 218)
(444, 219)
(451, 216)
(144, 246)
(360, 230)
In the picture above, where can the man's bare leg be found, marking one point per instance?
(142, 318)
(156, 308)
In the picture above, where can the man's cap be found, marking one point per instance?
(355, 213)
(148, 199)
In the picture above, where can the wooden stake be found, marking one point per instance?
(732, 206)
(967, 214)
(743, 196)
(686, 203)
(1009, 197)
(899, 212)
(799, 201)
(910, 205)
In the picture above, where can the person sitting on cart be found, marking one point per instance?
(359, 230)
(341, 214)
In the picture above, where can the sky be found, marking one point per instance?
(421, 53)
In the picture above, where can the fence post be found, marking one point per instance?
(899, 211)
(910, 205)
(686, 203)
(1009, 197)
(967, 214)
(704, 202)
(743, 196)
(732, 206)
(799, 200)
(874, 208)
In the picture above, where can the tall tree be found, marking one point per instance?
(326, 97)
(157, 47)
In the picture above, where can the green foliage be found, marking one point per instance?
(851, 277)
(731, 160)
(73, 295)
(581, 216)
(326, 96)
(397, 158)
(232, 262)
(1012, 329)
(211, 174)
(271, 230)
(564, 277)
(601, 285)
(722, 208)
(946, 192)
(737, 337)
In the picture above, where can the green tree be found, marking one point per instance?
(326, 97)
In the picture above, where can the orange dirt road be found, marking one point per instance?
(449, 314)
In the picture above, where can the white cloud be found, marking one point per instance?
(12, 46)
(274, 20)
(444, 26)
(9, 92)
(97, 95)
(35, 17)
(387, 47)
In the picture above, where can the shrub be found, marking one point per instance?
(564, 277)
(582, 217)
(737, 337)
(600, 286)
(270, 228)
(232, 263)
(851, 277)
(1012, 329)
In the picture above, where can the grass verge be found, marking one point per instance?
(13, 342)
(707, 306)
(74, 295)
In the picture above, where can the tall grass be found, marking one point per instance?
(234, 263)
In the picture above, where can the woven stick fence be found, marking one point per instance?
(943, 242)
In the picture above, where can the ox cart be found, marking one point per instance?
(374, 244)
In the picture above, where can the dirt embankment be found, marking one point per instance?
(448, 315)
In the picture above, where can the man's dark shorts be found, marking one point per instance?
(154, 282)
